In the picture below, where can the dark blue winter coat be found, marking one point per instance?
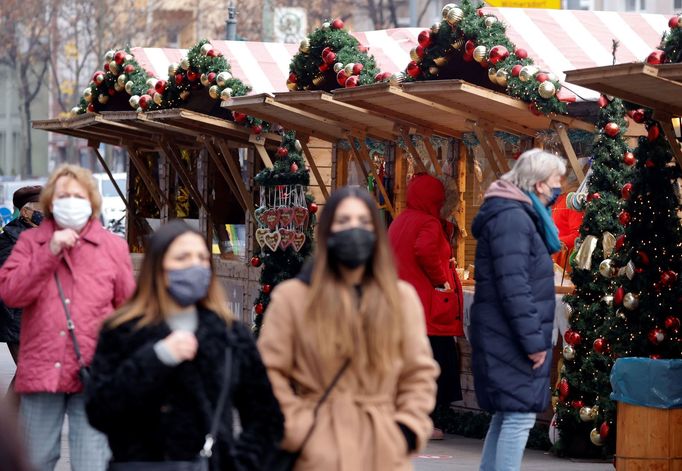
(513, 308)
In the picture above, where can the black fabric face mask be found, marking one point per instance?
(351, 247)
(37, 218)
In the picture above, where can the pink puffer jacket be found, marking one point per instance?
(97, 277)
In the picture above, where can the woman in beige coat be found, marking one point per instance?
(349, 306)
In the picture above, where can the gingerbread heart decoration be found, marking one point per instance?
(286, 238)
(261, 217)
(300, 216)
(286, 215)
(272, 240)
(271, 218)
(260, 236)
(298, 240)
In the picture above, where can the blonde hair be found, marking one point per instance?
(371, 337)
(79, 174)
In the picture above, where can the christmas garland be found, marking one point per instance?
(329, 58)
(670, 49)
(468, 34)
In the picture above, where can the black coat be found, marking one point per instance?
(10, 318)
(513, 309)
(153, 412)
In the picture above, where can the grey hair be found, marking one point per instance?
(534, 166)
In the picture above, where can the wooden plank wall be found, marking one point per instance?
(322, 153)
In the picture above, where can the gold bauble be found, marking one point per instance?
(222, 78)
(151, 82)
(87, 94)
(226, 94)
(172, 68)
(433, 70)
(631, 301)
(113, 68)
(457, 45)
(326, 26)
(109, 55)
(414, 56)
(121, 80)
(397, 79)
(204, 80)
(440, 61)
(547, 90)
(129, 87)
(317, 81)
(118, 87)
(455, 15)
(348, 68)
(214, 92)
(337, 67)
(103, 99)
(184, 63)
(502, 77)
(435, 28)
(304, 46)
(479, 53)
(489, 21)
(492, 75)
(205, 48)
(446, 9)
(585, 414)
(158, 98)
(527, 73)
(134, 101)
(606, 267)
(595, 438)
(184, 95)
(569, 352)
(291, 86)
(594, 412)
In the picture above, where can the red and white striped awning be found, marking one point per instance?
(557, 40)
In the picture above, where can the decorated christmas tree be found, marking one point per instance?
(583, 389)
(285, 217)
(670, 49)
(472, 45)
(330, 57)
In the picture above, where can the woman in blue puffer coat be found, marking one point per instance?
(513, 310)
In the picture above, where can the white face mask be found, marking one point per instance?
(71, 213)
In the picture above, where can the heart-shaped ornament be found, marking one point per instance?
(298, 240)
(300, 216)
(272, 240)
(271, 218)
(260, 236)
(286, 215)
(286, 238)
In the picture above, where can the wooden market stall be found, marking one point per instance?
(185, 164)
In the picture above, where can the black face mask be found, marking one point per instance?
(37, 218)
(351, 247)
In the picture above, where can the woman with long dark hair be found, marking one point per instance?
(348, 318)
(160, 368)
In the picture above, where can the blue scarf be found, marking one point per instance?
(548, 229)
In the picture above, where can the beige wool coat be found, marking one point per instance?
(357, 426)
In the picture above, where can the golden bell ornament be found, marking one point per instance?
(595, 438)
(446, 9)
(440, 61)
(304, 46)
(492, 75)
(134, 101)
(479, 53)
(184, 63)
(585, 414)
(222, 78)
(502, 77)
(337, 67)
(291, 86)
(103, 99)
(433, 70)
(631, 301)
(129, 87)
(489, 21)
(121, 80)
(435, 28)
(87, 94)
(226, 94)
(414, 56)
(214, 92)
(158, 98)
(319, 80)
(184, 95)
(109, 55)
(547, 90)
(172, 68)
(527, 73)
(455, 15)
(457, 45)
(569, 352)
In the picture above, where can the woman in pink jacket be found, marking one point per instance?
(95, 272)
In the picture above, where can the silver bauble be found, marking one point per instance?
(569, 352)
(226, 94)
(606, 268)
(631, 301)
(446, 9)
(489, 21)
(527, 73)
(222, 78)
(184, 63)
(134, 101)
(585, 414)
(595, 438)
(129, 87)
(109, 55)
(546, 90)
(337, 67)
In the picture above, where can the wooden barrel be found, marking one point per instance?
(649, 439)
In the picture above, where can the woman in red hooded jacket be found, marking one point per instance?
(424, 258)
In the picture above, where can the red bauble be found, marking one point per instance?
(497, 54)
(282, 152)
(129, 69)
(673, 21)
(484, 64)
(599, 345)
(653, 133)
(120, 57)
(255, 261)
(257, 129)
(656, 336)
(626, 191)
(611, 129)
(467, 57)
(293, 168)
(91, 107)
(259, 308)
(672, 323)
(98, 77)
(593, 196)
(424, 38)
(212, 53)
(655, 356)
(649, 163)
(326, 51)
(624, 218)
(643, 257)
(144, 101)
(337, 23)
(323, 67)
(330, 58)
(480, 12)
(292, 78)
(568, 337)
(534, 109)
(638, 116)
(106, 67)
(111, 91)
(541, 77)
(603, 101)
(563, 388)
(312, 208)
(413, 69)
(656, 57)
(193, 76)
(352, 81)
(357, 68)
(577, 404)
(267, 288)
(629, 158)
(668, 278)
(238, 117)
(420, 51)
(516, 70)
(211, 77)
(604, 431)
(576, 339)
(341, 77)
(620, 241)
(618, 296)
(521, 53)
(160, 86)
(179, 78)
(151, 92)
(469, 47)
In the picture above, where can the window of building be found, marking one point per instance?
(677, 4)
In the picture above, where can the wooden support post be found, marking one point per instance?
(316, 171)
(486, 149)
(174, 158)
(489, 134)
(229, 158)
(153, 187)
(213, 153)
(568, 147)
(460, 216)
(666, 124)
(363, 156)
(353, 154)
(111, 177)
(432, 154)
(413, 150)
(260, 148)
(400, 184)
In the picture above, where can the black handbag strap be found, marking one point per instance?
(323, 398)
(69, 323)
(207, 449)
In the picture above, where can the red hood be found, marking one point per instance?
(425, 193)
